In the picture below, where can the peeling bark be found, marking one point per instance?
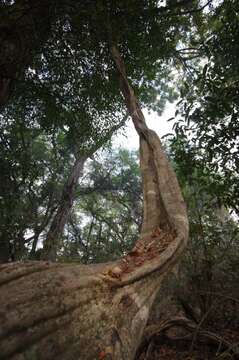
(62, 311)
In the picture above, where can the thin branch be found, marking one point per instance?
(194, 10)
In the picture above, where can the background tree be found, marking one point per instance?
(107, 214)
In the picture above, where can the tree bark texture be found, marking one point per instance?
(24, 26)
(60, 311)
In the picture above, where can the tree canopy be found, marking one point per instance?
(65, 100)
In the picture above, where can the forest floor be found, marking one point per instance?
(162, 348)
(178, 329)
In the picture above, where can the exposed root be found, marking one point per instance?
(189, 330)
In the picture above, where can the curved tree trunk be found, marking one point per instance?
(57, 311)
(54, 311)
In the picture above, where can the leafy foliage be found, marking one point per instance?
(68, 100)
(106, 218)
(209, 105)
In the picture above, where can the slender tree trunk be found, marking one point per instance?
(57, 311)
(51, 243)
(34, 244)
(24, 26)
(5, 249)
